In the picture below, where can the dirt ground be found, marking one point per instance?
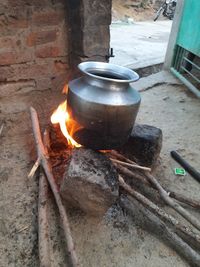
(121, 10)
(113, 241)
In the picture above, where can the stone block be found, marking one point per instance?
(144, 145)
(97, 12)
(92, 41)
(90, 182)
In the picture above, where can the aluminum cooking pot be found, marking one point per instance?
(103, 105)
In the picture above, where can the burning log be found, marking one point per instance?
(149, 221)
(44, 162)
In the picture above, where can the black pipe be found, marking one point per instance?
(194, 173)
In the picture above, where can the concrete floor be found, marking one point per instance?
(140, 44)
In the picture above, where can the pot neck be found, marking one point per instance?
(108, 85)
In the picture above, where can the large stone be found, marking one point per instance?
(144, 145)
(90, 182)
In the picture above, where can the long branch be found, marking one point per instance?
(164, 195)
(43, 227)
(185, 232)
(44, 161)
(146, 219)
(172, 203)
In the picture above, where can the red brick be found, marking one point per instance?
(47, 52)
(13, 57)
(61, 66)
(6, 42)
(42, 37)
(48, 18)
(33, 70)
(6, 73)
(26, 71)
(16, 18)
(23, 3)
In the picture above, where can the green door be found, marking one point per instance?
(189, 32)
(186, 59)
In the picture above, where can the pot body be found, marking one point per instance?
(102, 105)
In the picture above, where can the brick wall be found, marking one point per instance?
(34, 42)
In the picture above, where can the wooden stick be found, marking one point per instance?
(134, 166)
(164, 195)
(43, 225)
(172, 203)
(34, 168)
(1, 128)
(191, 202)
(188, 201)
(43, 156)
(140, 183)
(146, 219)
(185, 232)
(121, 157)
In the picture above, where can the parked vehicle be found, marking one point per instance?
(167, 9)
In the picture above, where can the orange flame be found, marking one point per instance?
(61, 116)
(65, 89)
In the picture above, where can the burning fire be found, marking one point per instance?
(61, 116)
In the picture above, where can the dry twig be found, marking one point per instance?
(1, 128)
(134, 166)
(34, 168)
(44, 162)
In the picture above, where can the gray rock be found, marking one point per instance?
(144, 145)
(90, 182)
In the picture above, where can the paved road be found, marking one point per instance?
(140, 44)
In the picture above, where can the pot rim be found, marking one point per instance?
(120, 74)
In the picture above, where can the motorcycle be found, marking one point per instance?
(167, 9)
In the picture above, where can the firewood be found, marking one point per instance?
(164, 195)
(140, 183)
(188, 201)
(173, 203)
(186, 233)
(1, 128)
(146, 219)
(43, 224)
(45, 163)
(34, 168)
(121, 157)
(134, 166)
(43, 227)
